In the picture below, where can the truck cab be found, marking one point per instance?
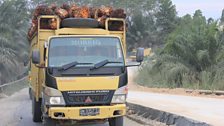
(79, 74)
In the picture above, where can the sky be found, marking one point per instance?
(209, 8)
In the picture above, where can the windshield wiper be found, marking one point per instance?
(102, 63)
(72, 64)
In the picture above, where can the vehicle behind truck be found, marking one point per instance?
(79, 72)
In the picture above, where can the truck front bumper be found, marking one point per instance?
(73, 113)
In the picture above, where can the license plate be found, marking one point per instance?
(89, 112)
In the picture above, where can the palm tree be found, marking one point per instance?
(13, 43)
(193, 56)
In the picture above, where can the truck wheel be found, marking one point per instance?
(117, 121)
(36, 110)
(49, 122)
(30, 93)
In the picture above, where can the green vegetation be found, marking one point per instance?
(191, 58)
(13, 43)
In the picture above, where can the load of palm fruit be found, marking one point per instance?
(75, 11)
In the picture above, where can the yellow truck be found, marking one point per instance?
(79, 72)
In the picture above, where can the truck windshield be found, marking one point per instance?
(65, 50)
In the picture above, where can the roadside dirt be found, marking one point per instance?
(176, 91)
(195, 106)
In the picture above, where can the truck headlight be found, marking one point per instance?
(120, 95)
(119, 99)
(53, 97)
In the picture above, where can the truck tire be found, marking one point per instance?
(49, 122)
(36, 110)
(79, 23)
(30, 93)
(117, 121)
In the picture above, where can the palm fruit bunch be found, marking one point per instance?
(75, 11)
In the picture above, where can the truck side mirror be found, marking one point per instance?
(36, 56)
(140, 55)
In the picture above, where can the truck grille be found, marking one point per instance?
(88, 97)
(94, 98)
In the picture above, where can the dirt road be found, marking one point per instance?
(16, 111)
(209, 110)
(201, 108)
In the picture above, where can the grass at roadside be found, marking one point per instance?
(145, 77)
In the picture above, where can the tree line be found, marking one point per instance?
(13, 43)
(192, 56)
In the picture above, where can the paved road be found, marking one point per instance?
(16, 111)
(208, 110)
